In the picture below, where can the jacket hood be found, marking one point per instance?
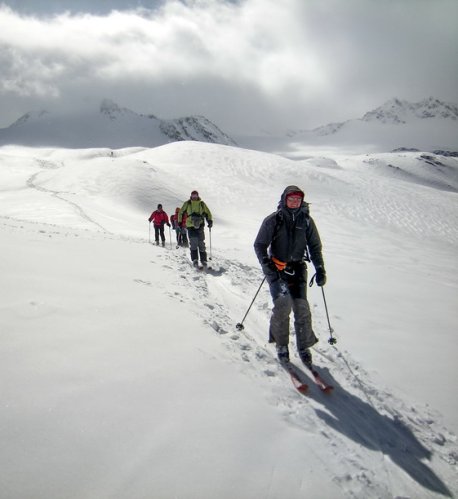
(197, 194)
(288, 190)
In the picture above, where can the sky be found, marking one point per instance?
(247, 65)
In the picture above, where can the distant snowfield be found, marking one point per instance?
(123, 374)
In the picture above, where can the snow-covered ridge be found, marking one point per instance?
(402, 111)
(196, 128)
(112, 111)
(428, 125)
(111, 126)
(30, 116)
(399, 112)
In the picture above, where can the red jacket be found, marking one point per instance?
(174, 220)
(159, 218)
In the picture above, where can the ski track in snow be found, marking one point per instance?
(376, 432)
(31, 182)
(380, 436)
(356, 412)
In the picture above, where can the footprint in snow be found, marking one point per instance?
(145, 283)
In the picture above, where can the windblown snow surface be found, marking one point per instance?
(122, 372)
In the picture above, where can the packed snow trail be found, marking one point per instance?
(88, 210)
(357, 411)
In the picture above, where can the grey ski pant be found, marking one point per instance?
(197, 238)
(197, 243)
(290, 295)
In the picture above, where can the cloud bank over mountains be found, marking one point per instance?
(251, 64)
(427, 125)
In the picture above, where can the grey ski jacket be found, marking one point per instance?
(289, 236)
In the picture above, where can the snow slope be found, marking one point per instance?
(123, 374)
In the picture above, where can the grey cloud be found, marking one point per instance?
(51, 7)
(250, 64)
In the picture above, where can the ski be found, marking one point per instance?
(298, 374)
(322, 385)
(291, 369)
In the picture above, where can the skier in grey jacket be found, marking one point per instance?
(286, 239)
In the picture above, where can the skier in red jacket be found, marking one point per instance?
(159, 219)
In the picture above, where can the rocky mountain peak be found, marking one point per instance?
(111, 110)
(397, 111)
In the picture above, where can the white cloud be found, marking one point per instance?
(292, 61)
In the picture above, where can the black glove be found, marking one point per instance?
(168, 224)
(210, 223)
(268, 266)
(320, 276)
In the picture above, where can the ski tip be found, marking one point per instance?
(298, 384)
(327, 389)
(303, 389)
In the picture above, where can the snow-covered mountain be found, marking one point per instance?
(397, 111)
(123, 374)
(110, 126)
(427, 125)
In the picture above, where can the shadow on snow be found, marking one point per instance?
(361, 422)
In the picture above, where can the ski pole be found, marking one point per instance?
(239, 326)
(210, 234)
(331, 340)
(149, 232)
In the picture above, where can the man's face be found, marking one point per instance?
(293, 202)
(194, 196)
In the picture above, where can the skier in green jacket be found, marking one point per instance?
(197, 212)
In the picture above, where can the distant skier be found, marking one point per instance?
(285, 240)
(196, 212)
(179, 228)
(159, 218)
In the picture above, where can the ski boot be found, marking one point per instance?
(195, 258)
(283, 354)
(203, 258)
(306, 356)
